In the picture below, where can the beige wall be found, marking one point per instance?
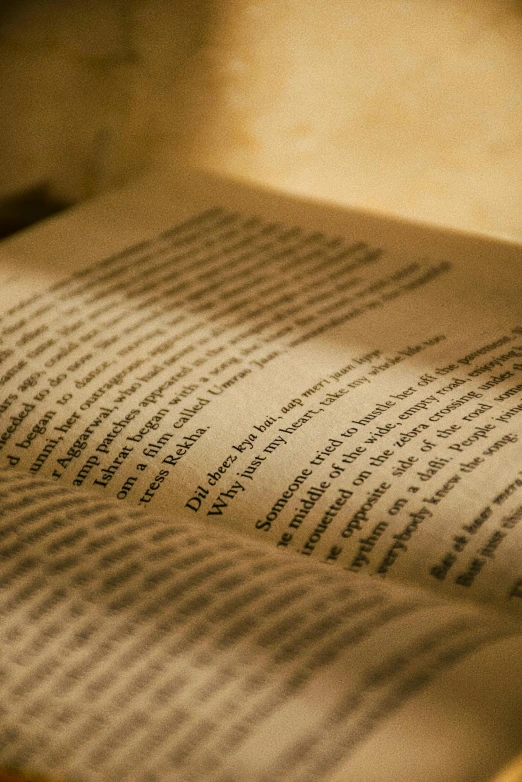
(411, 106)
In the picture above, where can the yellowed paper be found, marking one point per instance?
(334, 384)
(139, 648)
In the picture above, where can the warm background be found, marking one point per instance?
(408, 106)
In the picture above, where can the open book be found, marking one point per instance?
(261, 493)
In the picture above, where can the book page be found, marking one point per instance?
(137, 648)
(336, 384)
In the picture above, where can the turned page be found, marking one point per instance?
(334, 383)
(138, 648)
